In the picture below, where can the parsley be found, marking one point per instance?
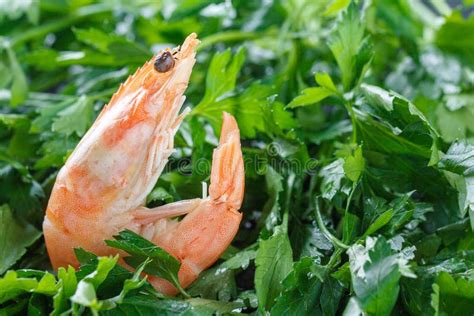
(356, 123)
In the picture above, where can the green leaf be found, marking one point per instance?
(354, 165)
(14, 120)
(86, 291)
(350, 48)
(103, 284)
(67, 284)
(23, 194)
(241, 260)
(15, 237)
(85, 295)
(54, 151)
(12, 286)
(75, 119)
(248, 107)
(324, 80)
(201, 152)
(47, 285)
(273, 262)
(460, 160)
(302, 290)
(271, 210)
(454, 124)
(353, 307)
(94, 38)
(401, 128)
(351, 227)
(444, 286)
(217, 283)
(435, 299)
(314, 95)
(310, 96)
(331, 296)
(465, 189)
(19, 88)
(16, 283)
(455, 26)
(37, 305)
(17, 9)
(375, 273)
(403, 19)
(332, 182)
(212, 307)
(221, 76)
(276, 118)
(162, 264)
(104, 266)
(47, 114)
(84, 257)
(336, 6)
(135, 282)
(380, 222)
(146, 305)
(22, 144)
(5, 75)
(121, 48)
(331, 132)
(112, 285)
(252, 107)
(456, 295)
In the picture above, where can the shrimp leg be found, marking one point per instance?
(145, 215)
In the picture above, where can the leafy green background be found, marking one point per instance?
(357, 131)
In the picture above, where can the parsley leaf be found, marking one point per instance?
(14, 238)
(273, 261)
(351, 49)
(162, 264)
(376, 271)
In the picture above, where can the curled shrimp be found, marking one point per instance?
(102, 188)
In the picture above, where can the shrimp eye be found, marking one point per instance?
(164, 62)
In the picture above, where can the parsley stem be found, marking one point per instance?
(58, 24)
(179, 287)
(348, 203)
(351, 112)
(289, 191)
(231, 36)
(335, 241)
(349, 199)
(104, 94)
(335, 259)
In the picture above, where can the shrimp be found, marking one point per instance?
(102, 188)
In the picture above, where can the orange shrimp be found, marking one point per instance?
(102, 188)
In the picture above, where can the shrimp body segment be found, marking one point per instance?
(102, 188)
